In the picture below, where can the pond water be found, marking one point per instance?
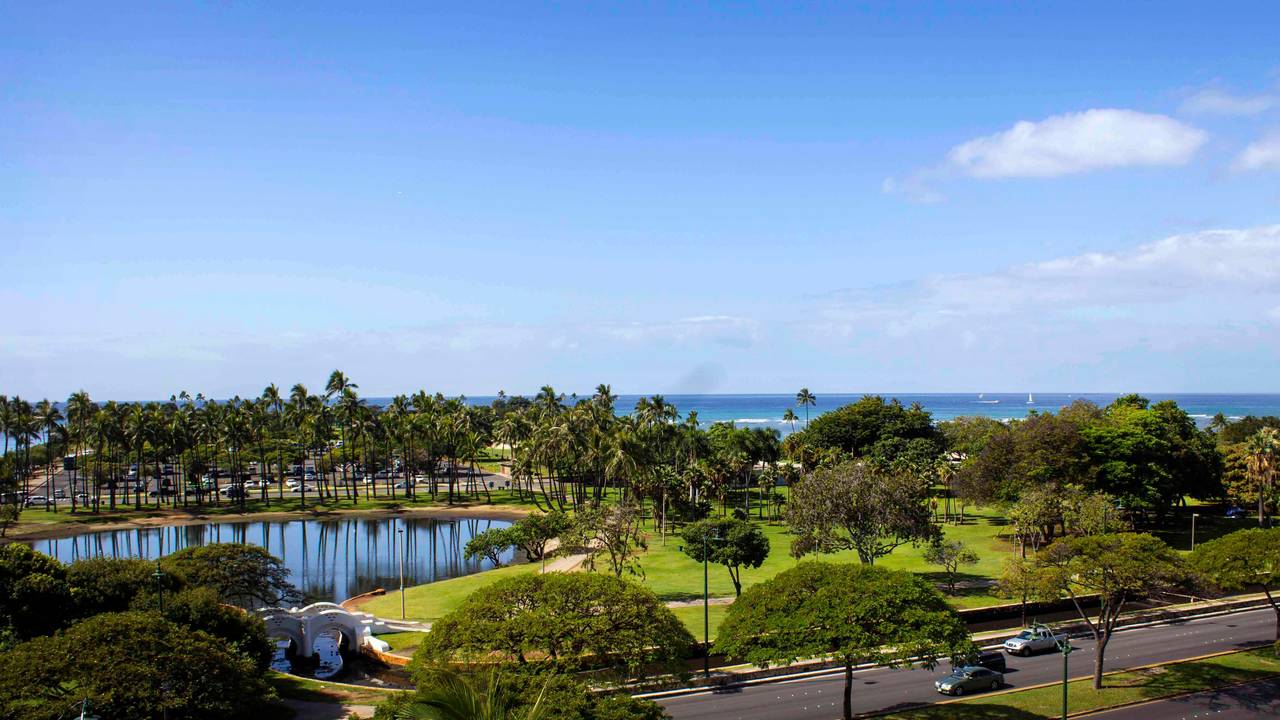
(328, 559)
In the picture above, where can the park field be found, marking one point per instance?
(674, 577)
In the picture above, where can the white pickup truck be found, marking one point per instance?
(1033, 640)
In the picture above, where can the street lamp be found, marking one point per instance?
(1064, 646)
(403, 550)
(1193, 529)
(706, 607)
(158, 575)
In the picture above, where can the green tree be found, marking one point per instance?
(950, 555)
(490, 545)
(114, 584)
(132, 665)
(1118, 568)
(1242, 560)
(533, 532)
(35, 598)
(241, 574)
(854, 613)
(200, 609)
(569, 620)
(851, 506)
(611, 532)
(876, 429)
(730, 542)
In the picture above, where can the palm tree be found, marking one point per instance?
(338, 385)
(1261, 451)
(790, 417)
(806, 399)
(452, 697)
(50, 420)
(80, 409)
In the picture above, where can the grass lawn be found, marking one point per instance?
(299, 688)
(1120, 688)
(692, 619)
(430, 601)
(403, 642)
(674, 576)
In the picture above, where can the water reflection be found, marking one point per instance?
(328, 559)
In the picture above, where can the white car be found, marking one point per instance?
(1033, 640)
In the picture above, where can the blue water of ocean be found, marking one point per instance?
(767, 410)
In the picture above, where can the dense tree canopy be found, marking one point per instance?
(35, 598)
(1145, 457)
(882, 432)
(132, 665)
(852, 506)
(241, 574)
(856, 613)
(567, 619)
(1240, 561)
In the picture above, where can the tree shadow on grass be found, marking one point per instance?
(967, 584)
(1171, 679)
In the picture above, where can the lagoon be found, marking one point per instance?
(328, 559)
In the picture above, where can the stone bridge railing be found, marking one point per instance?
(303, 625)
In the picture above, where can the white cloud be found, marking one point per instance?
(1193, 312)
(1213, 276)
(1076, 143)
(1261, 155)
(1215, 101)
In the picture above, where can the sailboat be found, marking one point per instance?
(1030, 400)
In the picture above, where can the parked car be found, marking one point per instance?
(989, 659)
(37, 500)
(1033, 640)
(1236, 513)
(971, 678)
(60, 494)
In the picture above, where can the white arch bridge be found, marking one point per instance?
(302, 626)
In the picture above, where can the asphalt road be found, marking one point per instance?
(1242, 702)
(819, 698)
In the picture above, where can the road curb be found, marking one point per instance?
(829, 670)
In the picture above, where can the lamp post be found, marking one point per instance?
(403, 550)
(706, 613)
(1193, 529)
(706, 607)
(1064, 646)
(158, 575)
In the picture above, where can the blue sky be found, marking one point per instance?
(711, 198)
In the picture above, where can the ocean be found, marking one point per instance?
(767, 410)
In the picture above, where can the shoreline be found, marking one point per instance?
(33, 532)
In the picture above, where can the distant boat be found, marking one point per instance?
(986, 402)
(1030, 400)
